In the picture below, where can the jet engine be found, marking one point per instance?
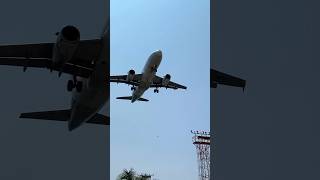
(67, 42)
(214, 85)
(131, 74)
(166, 80)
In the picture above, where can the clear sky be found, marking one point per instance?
(154, 137)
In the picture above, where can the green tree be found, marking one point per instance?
(127, 175)
(144, 177)
(132, 175)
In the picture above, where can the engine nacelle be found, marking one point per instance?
(67, 42)
(131, 74)
(214, 85)
(166, 80)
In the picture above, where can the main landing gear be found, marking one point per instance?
(74, 84)
(133, 88)
(156, 90)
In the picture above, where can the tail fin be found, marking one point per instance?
(63, 115)
(130, 98)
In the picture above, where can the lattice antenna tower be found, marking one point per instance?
(201, 140)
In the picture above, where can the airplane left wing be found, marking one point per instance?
(123, 79)
(158, 83)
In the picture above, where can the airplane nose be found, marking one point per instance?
(158, 53)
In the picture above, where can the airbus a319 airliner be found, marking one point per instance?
(147, 79)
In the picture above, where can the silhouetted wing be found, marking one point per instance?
(40, 56)
(68, 68)
(63, 115)
(157, 83)
(87, 51)
(123, 79)
(225, 79)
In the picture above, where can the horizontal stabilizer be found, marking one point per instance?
(64, 115)
(130, 98)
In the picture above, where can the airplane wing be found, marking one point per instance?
(123, 79)
(64, 115)
(39, 56)
(69, 68)
(225, 79)
(157, 83)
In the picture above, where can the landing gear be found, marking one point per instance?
(154, 68)
(133, 88)
(156, 90)
(70, 85)
(74, 84)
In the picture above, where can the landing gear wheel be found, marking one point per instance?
(133, 88)
(70, 85)
(153, 69)
(79, 86)
(156, 91)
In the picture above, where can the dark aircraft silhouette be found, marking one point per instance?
(217, 77)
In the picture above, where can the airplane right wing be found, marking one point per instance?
(39, 56)
(225, 79)
(158, 83)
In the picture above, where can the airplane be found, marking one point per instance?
(87, 61)
(225, 79)
(147, 79)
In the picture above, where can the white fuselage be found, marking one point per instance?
(148, 73)
(95, 91)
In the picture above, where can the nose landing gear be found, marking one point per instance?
(154, 69)
(70, 85)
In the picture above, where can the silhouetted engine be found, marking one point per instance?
(214, 85)
(131, 74)
(166, 80)
(67, 42)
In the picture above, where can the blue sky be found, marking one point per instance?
(154, 137)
